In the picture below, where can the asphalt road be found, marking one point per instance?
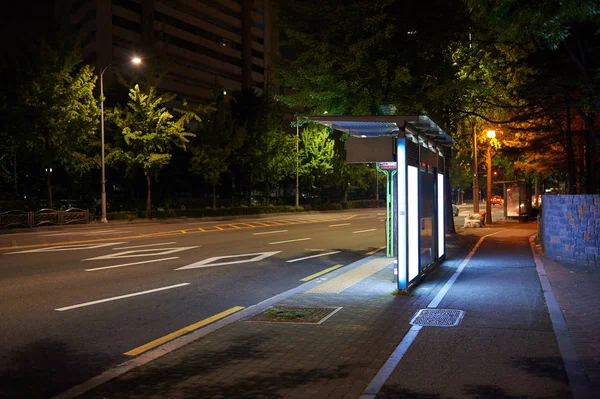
(76, 301)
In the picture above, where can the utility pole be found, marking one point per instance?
(475, 176)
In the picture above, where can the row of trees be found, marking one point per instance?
(50, 124)
(528, 70)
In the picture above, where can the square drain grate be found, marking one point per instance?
(438, 317)
(284, 314)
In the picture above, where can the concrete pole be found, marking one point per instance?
(488, 203)
(475, 176)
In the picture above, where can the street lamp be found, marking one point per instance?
(475, 177)
(136, 61)
(297, 161)
(488, 203)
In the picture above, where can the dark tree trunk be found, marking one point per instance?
(214, 195)
(148, 197)
(591, 162)
(49, 184)
(572, 185)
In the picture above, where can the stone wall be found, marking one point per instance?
(570, 228)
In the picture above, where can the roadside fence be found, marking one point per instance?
(43, 217)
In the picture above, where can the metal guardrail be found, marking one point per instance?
(43, 217)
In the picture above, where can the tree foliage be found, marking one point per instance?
(150, 133)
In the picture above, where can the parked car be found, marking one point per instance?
(496, 200)
(454, 210)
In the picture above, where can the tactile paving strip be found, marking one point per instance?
(348, 279)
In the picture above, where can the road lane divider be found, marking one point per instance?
(363, 231)
(143, 246)
(207, 229)
(116, 298)
(182, 331)
(269, 232)
(322, 272)
(340, 224)
(286, 241)
(312, 256)
(130, 264)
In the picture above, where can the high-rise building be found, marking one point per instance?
(208, 44)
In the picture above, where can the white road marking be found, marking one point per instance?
(381, 214)
(286, 241)
(363, 231)
(81, 305)
(142, 252)
(72, 247)
(269, 232)
(210, 261)
(108, 232)
(382, 220)
(77, 232)
(313, 256)
(147, 245)
(130, 264)
(341, 224)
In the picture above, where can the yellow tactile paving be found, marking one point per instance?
(348, 279)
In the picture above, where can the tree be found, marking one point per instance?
(62, 111)
(150, 133)
(317, 154)
(272, 149)
(217, 141)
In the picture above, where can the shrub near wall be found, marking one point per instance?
(570, 228)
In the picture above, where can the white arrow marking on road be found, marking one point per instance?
(73, 247)
(312, 256)
(210, 262)
(142, 252)
(119, 297)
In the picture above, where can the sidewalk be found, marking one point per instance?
(504, 347)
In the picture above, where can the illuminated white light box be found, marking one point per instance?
(418, 210)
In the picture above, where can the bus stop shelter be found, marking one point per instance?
(412, 151)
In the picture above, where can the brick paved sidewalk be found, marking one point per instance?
(577, 290)
(335, 359)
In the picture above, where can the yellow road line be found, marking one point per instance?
(375, 250)
(156, 234)
(235, 226)
(348, 279)
(184, 330)
(322, 272)
(183, 231)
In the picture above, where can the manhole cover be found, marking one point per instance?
(438, 317)
(283, 314)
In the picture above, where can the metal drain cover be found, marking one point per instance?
(284, 314)
(438, 317)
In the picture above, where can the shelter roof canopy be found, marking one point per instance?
(386, 125)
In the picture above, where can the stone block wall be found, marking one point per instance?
(570, 228)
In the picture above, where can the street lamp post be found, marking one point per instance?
(488, 204)
(297, 162)
(475, 176)
(135, 60)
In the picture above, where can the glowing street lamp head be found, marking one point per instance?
(136, 60)
(491, 134)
